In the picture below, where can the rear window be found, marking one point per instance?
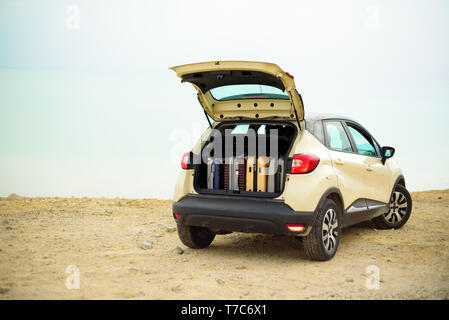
(240, 129)
(247, 91)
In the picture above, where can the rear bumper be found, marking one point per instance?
(244, 214)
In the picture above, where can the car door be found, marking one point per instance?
(376, 175)
(348, 165)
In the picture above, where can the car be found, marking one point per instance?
(265, 166)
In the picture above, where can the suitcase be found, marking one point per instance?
(262, 173)
(210, 174)
(214, 174)
(218, 174)
(226, 174)
(234, 173)
(231, 174)
(272, 175)
(251, 175)
(281, 176)
(241, 174)
(275, 175)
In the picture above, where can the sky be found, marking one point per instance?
(89, 107)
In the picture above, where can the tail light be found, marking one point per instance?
(177, 216)
(304, 163)
(185, 160)
(296, 227)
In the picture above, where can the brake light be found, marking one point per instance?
(296, 227)
(177, 216)
(290, 75)
(185, 160)
(304, 163)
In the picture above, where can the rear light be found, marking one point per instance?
(296, 227)
(177, 216)
(304, 163)
(185, 160)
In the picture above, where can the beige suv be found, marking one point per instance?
(263, 166)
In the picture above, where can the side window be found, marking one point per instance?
(337, 137)
(363, 143)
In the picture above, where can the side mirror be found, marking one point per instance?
(386, 152)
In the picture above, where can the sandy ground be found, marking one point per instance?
(124, 249)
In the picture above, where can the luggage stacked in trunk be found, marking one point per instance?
(246, 158)
(252, 174)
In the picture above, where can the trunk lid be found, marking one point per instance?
(229, 90)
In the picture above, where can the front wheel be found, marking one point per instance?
(322, 242)
(400, 208)
(195, 237)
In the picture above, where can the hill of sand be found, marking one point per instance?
(124, 249)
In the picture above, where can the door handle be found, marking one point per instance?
(339, 161)
(369, 168)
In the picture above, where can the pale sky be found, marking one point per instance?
(88, 106)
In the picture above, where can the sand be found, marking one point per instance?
(124, 249)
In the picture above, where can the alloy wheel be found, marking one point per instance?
(330, 230)
(398, 208)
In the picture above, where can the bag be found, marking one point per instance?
(281, 175)
(235, 173)
(218, 174)
(231, 174)
(241, 174)
(214, 174)
(210, 174)
(226, 175)
(275, 175)
(251, 173)
(262, 173)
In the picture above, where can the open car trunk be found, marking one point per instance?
(232, 90)
(247, 158)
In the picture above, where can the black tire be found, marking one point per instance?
(318, 245)
(397, 214)
(195, 237)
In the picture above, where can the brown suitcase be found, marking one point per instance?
(251, 175)
(241, 163)
(226, 175)
(234, 173)
(262, 173)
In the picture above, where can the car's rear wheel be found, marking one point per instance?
(400, 208)
(195, 237)
(322, 242)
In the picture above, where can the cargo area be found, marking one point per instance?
(245, 158)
